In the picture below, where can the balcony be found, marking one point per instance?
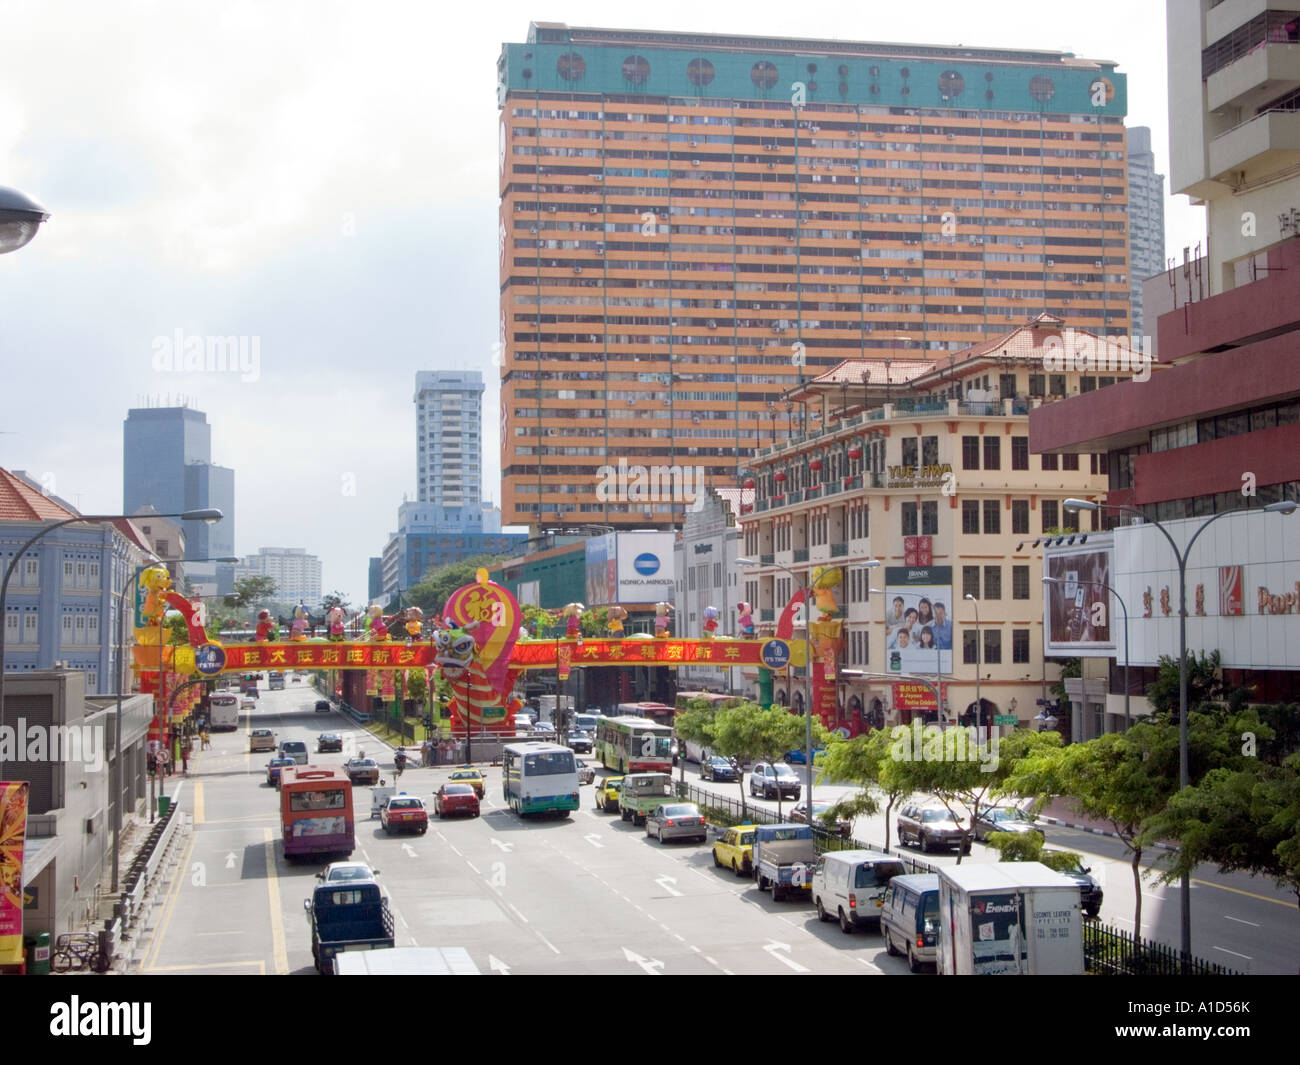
(839, 550)
(767, 560)
(1263, 74)
(830, 488)
(1264, 145)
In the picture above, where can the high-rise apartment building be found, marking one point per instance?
(296, 573)
(691, 224)
(1146, 220)
(449, 444)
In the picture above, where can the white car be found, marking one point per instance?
(339, 872)
(248, 703)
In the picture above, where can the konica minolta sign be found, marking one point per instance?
(643, 565)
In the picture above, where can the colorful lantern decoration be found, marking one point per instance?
(779, 477)
(815, 465)
(855, 453)
(748, 482)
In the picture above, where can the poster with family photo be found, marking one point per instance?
(919, 631)
(1078, 608)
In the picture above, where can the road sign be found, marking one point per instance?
(1005, 719)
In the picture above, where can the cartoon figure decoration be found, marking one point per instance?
(745, 619)
(335, 619)
(298, 630)
(710, 621)
(662, 621)
(824, 580)
(375, 624)
(414, 623)
(453, 651)
(156, 582)
(614, 619)
(265, 627)
(572, 615)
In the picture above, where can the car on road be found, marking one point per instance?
(719, 769)
(678, 820)
(543, 728)
(273, 768)
(472, 777)
(607, 794)
(295, 749)
(456, 799)
(1005, 819)
(774, 780)
(362, 771)
(735, 850)
(323, 706)
(580, 742)
(329, 741)
(586, 773)
(929, 826)
(1090, 890)
(342, 872)
(820, 806)
(404, 813)
(798, 757)
(247, 702)
(261, 739)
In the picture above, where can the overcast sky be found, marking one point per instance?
(322, 176)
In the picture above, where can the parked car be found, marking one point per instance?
(820, 806)
(771, 781)
(273, 768)
(930, 826)
(329, 741)
(404, 813)
(295, 749)
(678, 820)
(719, 769)
(323, 706)
(909, 919)
(1005, 819)
(472, 777)
(1090, 890)
(456, 799)
(607, 794)
(362, 771)
(799, 757)
(586, 773)
(735, 850)
(850, 886)
(261, 739)
(580, 742)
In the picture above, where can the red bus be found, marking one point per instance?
(316, 810)
(659, 713)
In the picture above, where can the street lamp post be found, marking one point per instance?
(1102, 584)
(979, 702)
(20, 218)
(806, 588)
(1284, 507)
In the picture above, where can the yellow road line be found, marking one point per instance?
(259, 965)
(198, 802)
(160, 931)
(1239, 891)
(278, 951)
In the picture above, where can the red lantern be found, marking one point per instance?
(855, 453)
(745, 508)
(779, 477)
(815, 465)
(749, 482)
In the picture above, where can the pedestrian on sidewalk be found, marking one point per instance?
(185, 759)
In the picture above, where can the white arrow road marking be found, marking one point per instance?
(230, 860)
(409, 850)
(664, 881)
(497, 965)
(507, 847)
(594, 839)
(650, 965)
(773, 946)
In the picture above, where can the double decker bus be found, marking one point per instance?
(316, 810)
(223, 711)
(539, 778)
(634, 745)
(660, 713)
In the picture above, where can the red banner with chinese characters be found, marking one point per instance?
(917, 551)
(913, 697)
(563, 659)
(13, 830)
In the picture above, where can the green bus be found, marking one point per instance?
(634, 745)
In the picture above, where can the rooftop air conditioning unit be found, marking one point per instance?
(668, 403)
(577, 269)
(532, 230)
(695, 162)
(1020, 244)
(771, 166)
(713, 323)
(1108, 195)
(1051, 262)
(695, 144)
(597, 177)
(951, 137)
(857, 258)
(552, 209)
(880, 133)
(593, 210)
(1097, 264)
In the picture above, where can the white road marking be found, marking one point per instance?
(649, 965)
(507, 847)
(1252, 924)
(594, 840)
(1225, 950)
(473, 866)
(497, 965)
(773, 947)
(665, 881)
(517, 913)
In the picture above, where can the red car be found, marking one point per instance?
(456, 799)
(404, 813)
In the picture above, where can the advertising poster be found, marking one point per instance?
(997, 935)
(919, 635)
(1077, 610)
(601, 576)
(13, 828)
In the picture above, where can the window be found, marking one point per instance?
(1037, 382)
(1070, 462)
(1019, 582)
(1056, 384)
(970, 516)
(930, 518)
(929, 451)
(909, 451)
(1020, 517)
(993, 453)
(1050, 462)
(970, 581)
(970, 452)
(992, 647)
(1006, 385)
(1051, 511)
(1019, 645)
(908, 511)
(968, 647)
(1020, 452)
(992, 582)
(67, 572)
(992, 516)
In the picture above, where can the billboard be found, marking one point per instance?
(1077, 611)
(645, 567)
(602, 580)
(919, 635)
(13, 825)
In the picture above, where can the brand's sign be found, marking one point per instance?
(646, 564)
(932, 476)
(1231, 594)
(210, 659)
(775, 654)
(1284, 603)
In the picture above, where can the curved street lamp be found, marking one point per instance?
(979, 665)
(20, 218)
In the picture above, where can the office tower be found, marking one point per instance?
(449, 445)
(1146, 219)
(691, 224)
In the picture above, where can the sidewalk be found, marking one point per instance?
(1061, 812)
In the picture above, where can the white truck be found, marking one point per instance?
(546, 705)
(1016, 918)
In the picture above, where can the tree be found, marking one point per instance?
(748, 733)
(251, 591)
(865, 761)
(333, 599)
(435, 588)
(1203, 683)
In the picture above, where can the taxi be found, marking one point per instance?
(735, 850)
(404, 813)
(472, 777)
(607, 794)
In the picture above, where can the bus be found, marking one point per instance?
(275, 681)
(316, 810)
(634, 745)
(223, 711)
(695, 752)
(539, 778)
(657, 712)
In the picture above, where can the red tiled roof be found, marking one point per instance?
(21, 502)
(853, 371)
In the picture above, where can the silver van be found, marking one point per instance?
(851, 885)
(909, 920)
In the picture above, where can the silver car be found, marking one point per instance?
(586, 773)
(1005, 819)
(678, 820)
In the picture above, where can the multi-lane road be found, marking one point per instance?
(588, 894)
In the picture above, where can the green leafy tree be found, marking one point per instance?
(748, 733)
(435, 588)
(864, 761)
(1203, 683)
(333, 599)
(1017, 846)
(251, 591)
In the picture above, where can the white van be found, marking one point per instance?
(850, 886)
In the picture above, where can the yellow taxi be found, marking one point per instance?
(472, 777)
(735, 850)
(607, 794)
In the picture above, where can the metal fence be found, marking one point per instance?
(1111, 951)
